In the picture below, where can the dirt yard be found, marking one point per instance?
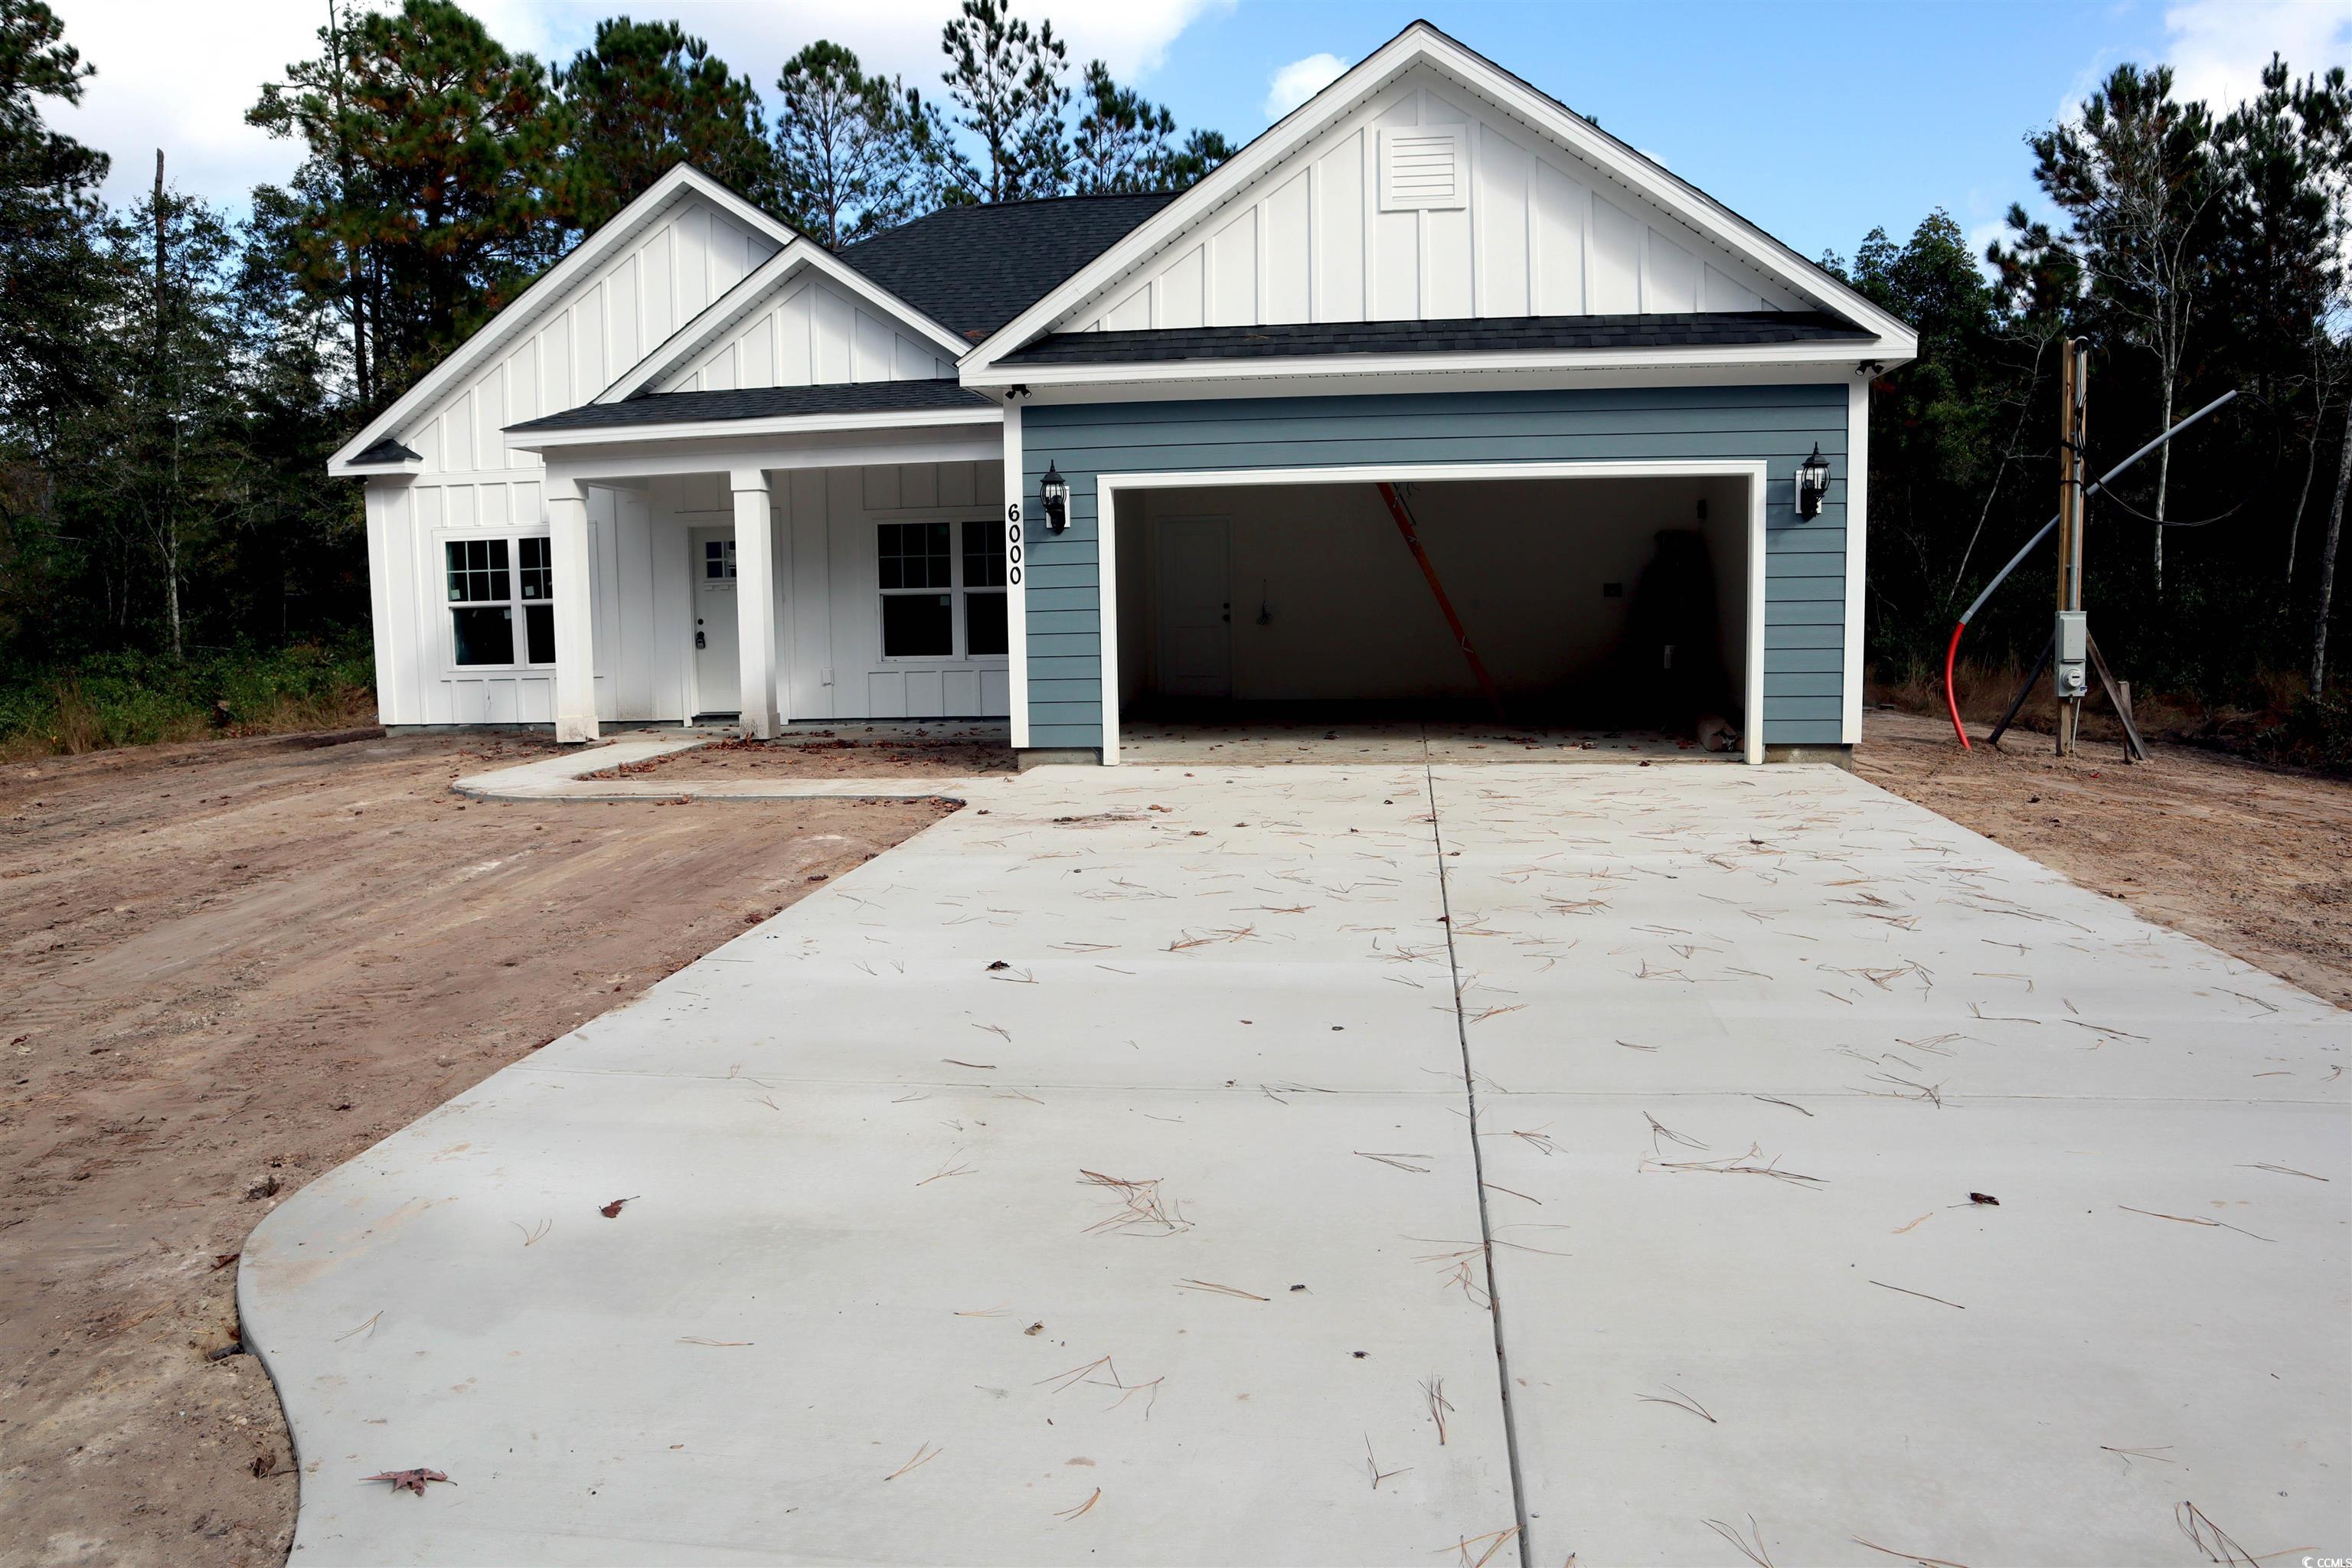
(848, 752)
(232, 966)
(2254, 860)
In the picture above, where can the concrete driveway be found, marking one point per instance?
(1109, 1173)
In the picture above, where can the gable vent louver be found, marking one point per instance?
(1424, 167)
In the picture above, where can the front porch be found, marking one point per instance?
(768, 571)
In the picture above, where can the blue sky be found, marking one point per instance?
(1817, 121)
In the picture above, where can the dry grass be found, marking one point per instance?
(1983, 689)
(78, 727)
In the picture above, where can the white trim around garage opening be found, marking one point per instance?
(1109, 486)
(1857, 539)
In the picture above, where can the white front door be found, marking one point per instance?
(1196, 610)
(717, 674)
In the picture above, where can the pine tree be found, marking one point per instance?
(434, 157)
(648, 97)
(1007, 78)
(855, 154)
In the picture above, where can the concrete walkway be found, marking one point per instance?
(1095, 1178)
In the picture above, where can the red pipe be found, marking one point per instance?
(1951, 697)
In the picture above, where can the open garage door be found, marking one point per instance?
(1618, 605)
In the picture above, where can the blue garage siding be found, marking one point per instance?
(1804, 585)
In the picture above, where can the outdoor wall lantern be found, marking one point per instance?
(1813, 484)
(1055, 491)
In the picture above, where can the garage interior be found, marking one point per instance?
(1609, 614)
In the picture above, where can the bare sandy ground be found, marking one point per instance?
(230, 967)
(849, 751)
(2254, 860)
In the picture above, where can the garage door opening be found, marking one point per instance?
(1610, 614)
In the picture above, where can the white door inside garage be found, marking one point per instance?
(1623, 601)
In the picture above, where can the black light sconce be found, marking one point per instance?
(1055, 491)
(1813, 484)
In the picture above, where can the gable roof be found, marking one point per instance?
(762, 283)
(547, 293)
(1478, 334)
(1422, 44)
(976, 267)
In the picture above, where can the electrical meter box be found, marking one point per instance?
(2072, 656)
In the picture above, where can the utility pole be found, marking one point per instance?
(2072, 635)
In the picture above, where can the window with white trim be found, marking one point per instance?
(501, 601)
(983, 588)
(939, 601)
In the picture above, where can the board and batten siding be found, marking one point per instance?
(1805, 580)
(810, 334)
(1536, 231)
(470, 484)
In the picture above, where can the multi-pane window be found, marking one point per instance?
(719, 559)
(501, 601)
(935, 593)
(984, 584)
(918, 570)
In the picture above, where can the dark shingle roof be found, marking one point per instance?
(1490, 334)
(973, 268)
(763, 403)
(387, 451)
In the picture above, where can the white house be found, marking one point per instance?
(705, 467)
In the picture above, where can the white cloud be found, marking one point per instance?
(181, 77)
(2217, 49)
(1299, 80)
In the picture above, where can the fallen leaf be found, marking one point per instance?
(410, 1480)
(1987, 1199)
(613, 1209)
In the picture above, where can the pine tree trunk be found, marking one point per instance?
(2303, 497)
(2328, 564)
(359, 333)
(2163, 480)
(167, 502)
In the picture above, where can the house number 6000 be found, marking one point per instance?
(1013, 542)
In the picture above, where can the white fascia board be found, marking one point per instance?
(1442, 379)
(721, 430)
(1418, 43)
(627, 464)
(552, 285)
(1842, 357)
(398, 469)
(723, 313)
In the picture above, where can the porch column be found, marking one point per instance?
(755, 602)
(575, 631)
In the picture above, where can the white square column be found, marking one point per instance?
(755, 602)
(575, 630)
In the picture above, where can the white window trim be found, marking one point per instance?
(513, 539)
(957, 590)
(1110, 487)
